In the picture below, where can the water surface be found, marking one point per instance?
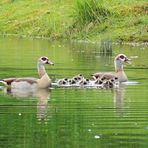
(72, 117)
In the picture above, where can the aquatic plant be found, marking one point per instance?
(106, 47)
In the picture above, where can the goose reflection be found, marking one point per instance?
(42, 95)
(119, 98)
(42, 105)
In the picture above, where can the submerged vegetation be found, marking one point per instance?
(76, 19)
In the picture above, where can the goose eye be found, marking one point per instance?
(122, 57)
(44, 59)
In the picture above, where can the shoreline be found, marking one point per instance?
(117, 42)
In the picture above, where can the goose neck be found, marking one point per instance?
(41, 69)
(118, 66)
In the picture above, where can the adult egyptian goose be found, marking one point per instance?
(119, 71)
(31, 83)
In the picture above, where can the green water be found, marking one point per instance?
(72, 117)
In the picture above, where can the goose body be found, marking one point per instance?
(119, 71)
(29, 82)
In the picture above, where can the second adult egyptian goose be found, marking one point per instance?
(119, 71)
(31, 83)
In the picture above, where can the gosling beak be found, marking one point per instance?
(127, 60)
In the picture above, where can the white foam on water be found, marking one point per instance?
(130, 83)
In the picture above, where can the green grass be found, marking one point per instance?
(76, 19)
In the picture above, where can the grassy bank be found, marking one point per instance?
(76, 19)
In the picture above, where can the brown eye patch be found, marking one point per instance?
(44, 59)
(122, 57)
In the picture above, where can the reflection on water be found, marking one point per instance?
(72, 117)
(42, 105)
(42, 95)
(119, 98)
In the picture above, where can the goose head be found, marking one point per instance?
(120, 60)
(42, 61)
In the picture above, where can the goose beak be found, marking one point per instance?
(127, 60)
(49, 62)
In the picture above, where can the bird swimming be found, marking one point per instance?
(119, 73)
(30, 82)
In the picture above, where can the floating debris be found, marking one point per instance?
(89, 130)
(96, 136)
